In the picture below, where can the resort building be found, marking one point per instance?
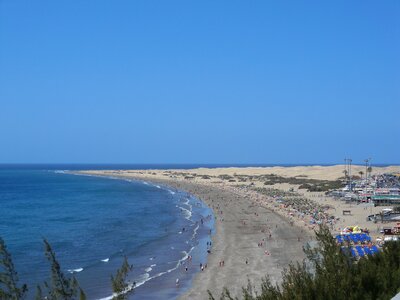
(379, 200)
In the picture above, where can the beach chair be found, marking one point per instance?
(353, 252)
(363, 237)
(367, 251)
(360, 251)
(339, 239)
(350, 237)
(354, 238)
(359, 237)
(367, 238)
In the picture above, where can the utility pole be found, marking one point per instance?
(351, 187)
(348, 169)
(366, 167)
(369, 165)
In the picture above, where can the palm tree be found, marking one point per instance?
(361, 174)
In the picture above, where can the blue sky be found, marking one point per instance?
(199, 81)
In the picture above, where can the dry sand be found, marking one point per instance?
(245, 218)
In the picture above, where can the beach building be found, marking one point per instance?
(387, 191)
(389, 199)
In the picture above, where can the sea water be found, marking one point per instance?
(93, 222)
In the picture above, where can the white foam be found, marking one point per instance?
(146, 276)
(105, 260)
(171, 192)
(195, 232)
(142, 279)
(186, 212)
(186, 254)
(75, 270)
(188, 204)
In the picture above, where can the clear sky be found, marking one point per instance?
(199, 81)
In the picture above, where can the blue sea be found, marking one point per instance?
(93, 222)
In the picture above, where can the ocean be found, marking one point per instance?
(93, 222)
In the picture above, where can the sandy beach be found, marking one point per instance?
(255, 236)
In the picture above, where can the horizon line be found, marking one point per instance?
(190, 163)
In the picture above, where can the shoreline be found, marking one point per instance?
(248, 238)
